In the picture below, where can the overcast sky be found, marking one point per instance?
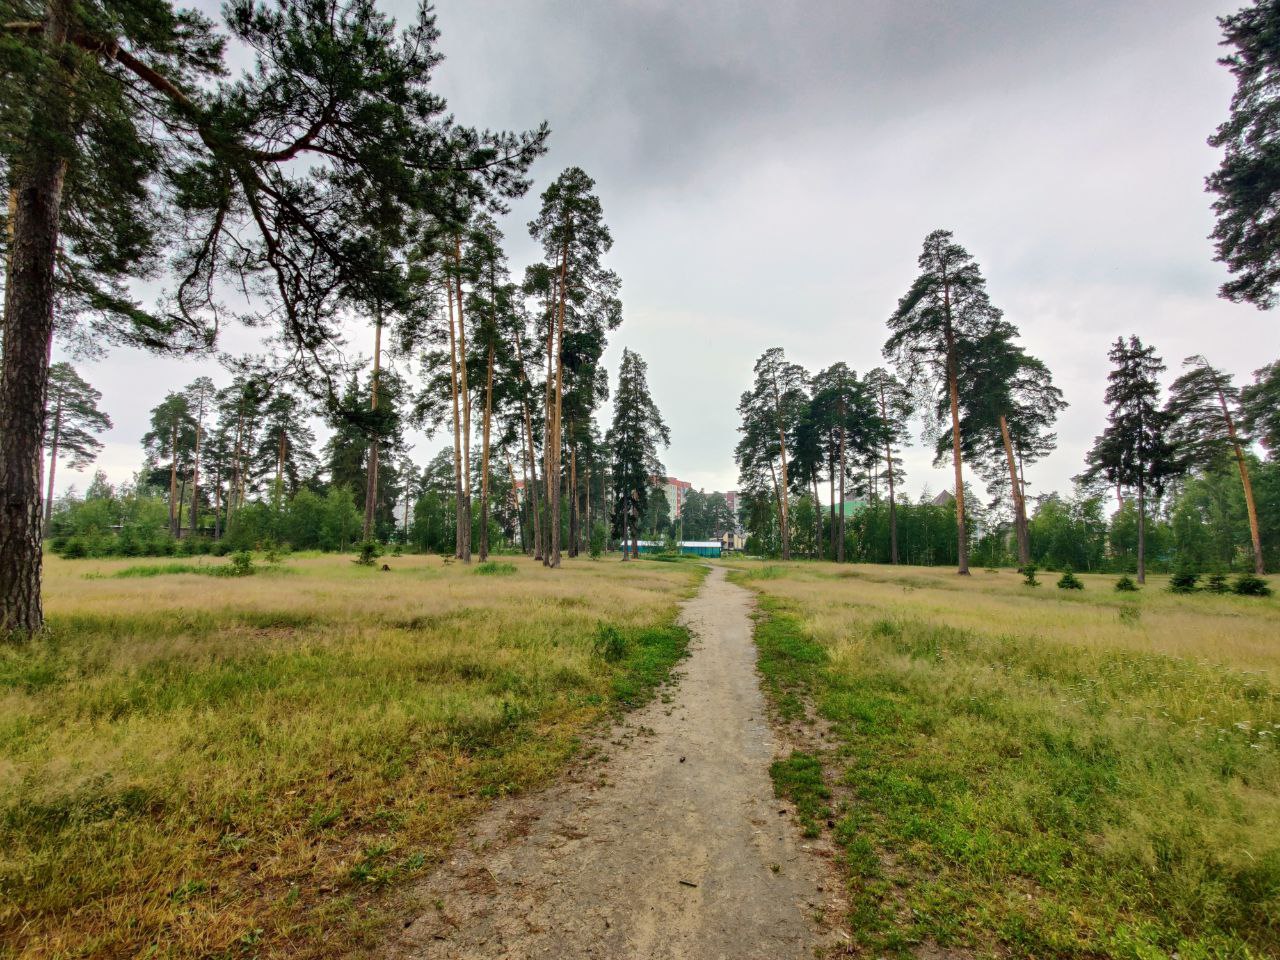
(769, 170)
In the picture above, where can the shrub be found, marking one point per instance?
(609, 643)
(493, 568)
(1069, 581)
(1029, 575)
(1183, 580)
(1217, 583)
(1126, 585)
(369, 551)
(1250, 585)
(75, 549)
(242, 564)
(599, 536)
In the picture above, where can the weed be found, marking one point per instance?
(609, 643)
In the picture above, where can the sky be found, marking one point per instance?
(769, 171)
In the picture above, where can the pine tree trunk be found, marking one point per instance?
(573, 497)
(371, 481)
(784, 495)
(53, 464)
(953, 392)
(893, 506)
(457, 432)
(626, 510)
(532, 488)
(484, 457)
(36, 177)
(175, 523)
(195, 479)
(840, 542)
(1142, 532)
(831, 499)
(1251, 508)
(233, 494)
(466, 412)
(1019, 503)
(555, 433)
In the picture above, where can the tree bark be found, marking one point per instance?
(457, 432)
(626, 510)
(555, 434)
(574, 531)
(893, 506)
(1142, 531)
(195, 473)
(783, 494)
(484, 457)
(1019, 502)
(953, 392)
(175, 520)
(840, 542)
(371, 481)
(53, 464)
(464, 390)
(1259, 567)
(37, 176)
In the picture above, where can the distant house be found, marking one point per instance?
(732, 540)
(942, 499)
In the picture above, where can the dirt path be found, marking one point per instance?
(671, 845)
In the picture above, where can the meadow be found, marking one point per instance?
(220, 766)
(1030, 772)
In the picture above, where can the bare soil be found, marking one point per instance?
(667, 842)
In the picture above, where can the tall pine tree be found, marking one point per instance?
(72, 423)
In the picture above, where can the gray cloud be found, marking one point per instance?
(769, 170)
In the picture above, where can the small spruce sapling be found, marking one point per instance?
(599, 534)
(1250, 585)
(1217, 583)
(1126, 585)
(370, 550)
(1029, 575)
(1184, 579)
(1069, 581)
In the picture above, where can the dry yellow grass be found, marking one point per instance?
(195, 765)
(1037, 772)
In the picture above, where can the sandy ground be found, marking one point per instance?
(667, 844)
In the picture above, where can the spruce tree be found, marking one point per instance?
(72, 423)
(1247, 234)
(1203, 431)
(636, 433)
(1134, 451)
(946, 307)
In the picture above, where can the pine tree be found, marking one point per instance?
(1008, 404)
(894, 406)
(1246, 236)
(1203, 431)
(946, 307)
(285, 455)
(771, 413)
(633, 439)
(72, 422)
(200, 398)
(850, 422)
(1260, 407)
(582, 301)
(115, 130)
(1134, 451)
(173, 437)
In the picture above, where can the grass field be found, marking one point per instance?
(1031, 772)
(197, 766)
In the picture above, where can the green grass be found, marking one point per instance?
(494, 568)
(1007, 793)
(198, 767)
